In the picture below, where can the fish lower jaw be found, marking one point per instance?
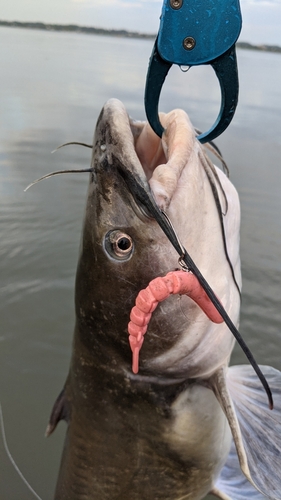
(183, 369)
(194, 356)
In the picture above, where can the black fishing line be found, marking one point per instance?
(141, 193)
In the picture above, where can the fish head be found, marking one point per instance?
(123, 248)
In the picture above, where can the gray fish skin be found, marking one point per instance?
(160, 434)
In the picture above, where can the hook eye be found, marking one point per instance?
(118, 245)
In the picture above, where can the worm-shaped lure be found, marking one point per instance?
(182, 282)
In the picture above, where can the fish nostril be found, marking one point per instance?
(124, 243)
(118, 245)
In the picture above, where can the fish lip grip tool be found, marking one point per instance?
(192, 33)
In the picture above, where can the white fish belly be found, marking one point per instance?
(200, 435)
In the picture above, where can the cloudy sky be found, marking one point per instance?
(261, 18)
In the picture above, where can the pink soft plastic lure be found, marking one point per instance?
(182, 282)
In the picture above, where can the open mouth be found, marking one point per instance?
(164, 160)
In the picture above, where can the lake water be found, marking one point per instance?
(52, 87)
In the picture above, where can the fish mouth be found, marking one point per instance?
(150, 167)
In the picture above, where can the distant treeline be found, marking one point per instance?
(76, 28)
(267, 48)
(116, 33)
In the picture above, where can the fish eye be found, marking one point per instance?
(118, 245)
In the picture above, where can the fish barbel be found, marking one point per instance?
(186, 424)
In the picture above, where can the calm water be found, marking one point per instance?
(53, 86)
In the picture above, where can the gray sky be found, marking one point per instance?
(261, 18)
